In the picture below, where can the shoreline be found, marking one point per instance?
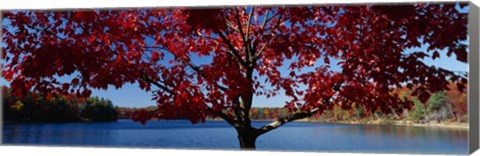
(55, 122)
(457, 125)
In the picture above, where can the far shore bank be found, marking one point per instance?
(458, 125)
(54, 122)
(397, 123)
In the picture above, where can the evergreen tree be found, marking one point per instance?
(439, 108)
(418, 111)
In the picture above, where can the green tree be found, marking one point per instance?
(418, 111)
(59, 110)
(439, 107)
(96, 109)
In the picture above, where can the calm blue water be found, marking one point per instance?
(219, 135)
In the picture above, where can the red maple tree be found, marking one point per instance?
(332, 54)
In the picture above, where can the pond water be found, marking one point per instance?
(296, 136)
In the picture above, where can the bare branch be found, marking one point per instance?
(247, 37)
(237, 109)
(286, 119)
(265, 19)
(249, 22)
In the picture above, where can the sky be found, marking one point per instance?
(130, 95)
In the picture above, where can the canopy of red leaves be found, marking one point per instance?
(333, 54)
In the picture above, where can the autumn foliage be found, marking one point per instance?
(206, 62)
(35, 108)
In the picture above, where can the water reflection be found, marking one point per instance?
(372, 138)
(54, 134)
(219, 135)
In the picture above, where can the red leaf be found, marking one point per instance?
(327, 61)
(210, 19)
(142, 116)
(91, 39)
(75, 81)
(155, 57)
(409, 86)
(131, 53)
(65, 86)
(435, 55)
(460, 87)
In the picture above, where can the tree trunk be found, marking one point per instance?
(247, 139)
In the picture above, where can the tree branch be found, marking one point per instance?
(232, 50)
(249, 22)
(222, 115)
(229, 25)
(269, 19)
(239, 23)
(237, 108)
(243, 36)
(192, 66)
(247, 37)
(286, 119)
(199, 71)
(265, 45)
(296, 116)
(163, 87)
(265, 19)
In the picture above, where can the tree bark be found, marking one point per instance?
(247, 139)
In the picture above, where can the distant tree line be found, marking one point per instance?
(450, 105)
(443, 106)
(128, 112)
(62, 108)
